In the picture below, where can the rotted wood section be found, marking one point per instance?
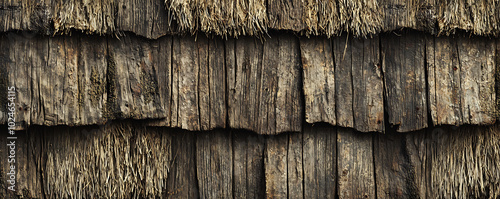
(128, 160)
(408, 82)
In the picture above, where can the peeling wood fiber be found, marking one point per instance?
(269, 87)
(156, 18)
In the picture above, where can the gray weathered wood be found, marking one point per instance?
(185, 77)
(355, 166)
(398, 165)
(319, 80)
(320, 161)
(182, 175)
(295, 166)
(461, 76)
(256, 87)
(214, 164)
(276, 167)
(248, 164)
(405, 81)
(135, 86)
(342, 49)
(368, 103)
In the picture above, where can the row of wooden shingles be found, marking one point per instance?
(200, 83)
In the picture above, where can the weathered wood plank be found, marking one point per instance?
(182, 176)
(214, 164)
(248, 164)
(92, 80)
(405, 81)
(319, 80)
(28, 154)
(461, 80)
(256, 88)
(342, 48)
(185, 71)
(477, 79)
(289, 107)
(359, 84)
(135, 80)
(397, 175)
(162, 64)
(216, 84)
(355, 175)
(320, 161)
(275, 166)
(295, 165)
(418, 147)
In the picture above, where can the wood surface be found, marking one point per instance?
(267, 86)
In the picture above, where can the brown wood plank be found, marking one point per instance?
(477, 74)
(289, 108)
(356, 174)
(135, 82)
(295, 165)
(342, 48)
(320, 161)
(461, 80)
(28, 153)
(185, 71)
(399, 164)
(276, 167)
(319, 80)
(261, 76)
(405, 82)
(214, 164)
(212, 83)
(162, 64)
(92, 72)
(248, 164)
(368, 103)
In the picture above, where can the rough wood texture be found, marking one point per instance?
(319, 80)
(134, 89)
(320, 161)
(461, 79)
(262, 77)
(355, 169)
(405, 81)
(397, 173)
(214, 164)
(201, 83)
(248, 165)
(276, 167)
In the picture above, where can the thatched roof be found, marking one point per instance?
(155, 18)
